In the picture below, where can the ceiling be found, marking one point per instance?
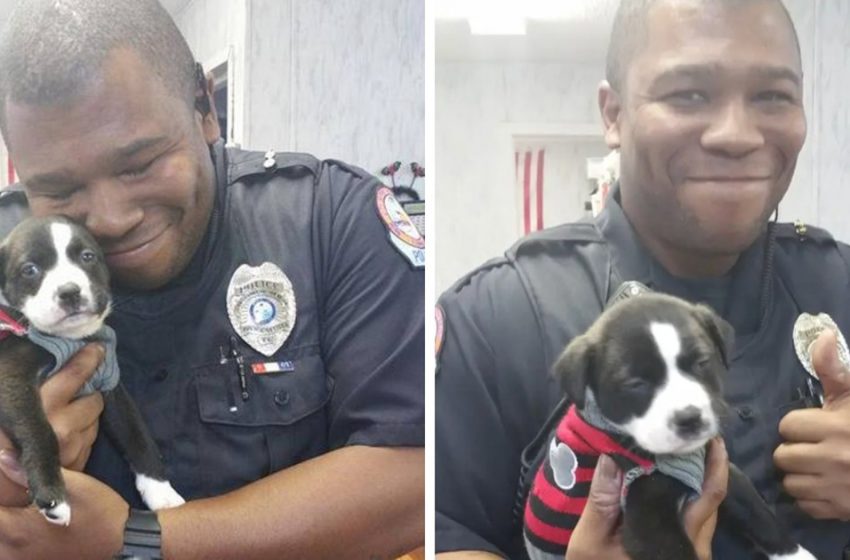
(577, 33)
(6, 7)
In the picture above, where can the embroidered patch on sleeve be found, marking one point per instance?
(402, 231)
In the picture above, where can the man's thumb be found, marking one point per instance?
(833, 374)
(603, 500)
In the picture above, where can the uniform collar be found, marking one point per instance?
(630, 260)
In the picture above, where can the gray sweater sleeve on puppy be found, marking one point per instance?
(62, 349)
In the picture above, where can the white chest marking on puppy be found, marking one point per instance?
(654, 430)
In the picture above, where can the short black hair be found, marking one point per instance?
(52, 50)
(628, 36)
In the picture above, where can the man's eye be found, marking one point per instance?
(686, 98)
(30, 270)
(136, 172)
(775, 97)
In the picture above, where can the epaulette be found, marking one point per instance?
(467, 278)
(556, 237)
(801, 232)
(353, 169)
(242, 164)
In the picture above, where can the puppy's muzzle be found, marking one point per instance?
(69, 297)
(688, 422)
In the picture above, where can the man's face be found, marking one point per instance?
(711, 124)
(128, 160)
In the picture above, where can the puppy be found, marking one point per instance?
(54, 279)
(645, 388)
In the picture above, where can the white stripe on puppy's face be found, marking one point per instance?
(44, 310)
(656, 430)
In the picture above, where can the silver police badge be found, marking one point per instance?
(807, 328)
(261, 306)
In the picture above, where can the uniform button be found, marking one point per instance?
(161, 375)
(746, 412)
(281, 398)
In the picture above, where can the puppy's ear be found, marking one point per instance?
(720, 332)
(573, 368)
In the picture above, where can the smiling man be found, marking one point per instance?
(703, 99)
(270, 322)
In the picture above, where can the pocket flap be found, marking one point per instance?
(273, 399)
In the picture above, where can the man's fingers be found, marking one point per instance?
(798, 458)
(76, 461)
(603, 501)
(64, 385)
(819, 509)
(713, 488)
(76, 426)
(807, 425)
(805, 487)
(12, 468)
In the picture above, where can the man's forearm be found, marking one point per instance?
(355, 502)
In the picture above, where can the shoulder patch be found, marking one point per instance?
(402, 232)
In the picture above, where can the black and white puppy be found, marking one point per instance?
(54, 279)
(645, 383)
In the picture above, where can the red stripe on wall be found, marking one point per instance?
(526, 194)
(540, 189)
(10, 171)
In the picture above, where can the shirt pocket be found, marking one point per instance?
(281, 422)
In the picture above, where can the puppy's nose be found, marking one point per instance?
(688, 421)
(69, 295)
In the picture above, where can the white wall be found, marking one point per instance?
(338, 78)
(476, 102)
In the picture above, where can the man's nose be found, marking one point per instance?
(733, 130)
(111, 211)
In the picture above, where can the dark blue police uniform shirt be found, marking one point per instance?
(507, 321)
(356, 349)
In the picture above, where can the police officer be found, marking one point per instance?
(268, 309)
(703, 100)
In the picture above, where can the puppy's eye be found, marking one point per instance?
(87, 256)
(701, 365)
(635, 385)
(30, 271)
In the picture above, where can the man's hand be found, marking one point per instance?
(74, 422)
(816, 454)
(597, 534)
(98, 516)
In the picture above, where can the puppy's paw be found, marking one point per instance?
(158, 494)
(58, 513)
(799, 554)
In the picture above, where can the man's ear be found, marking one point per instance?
(610, 106)
(720, 332)
(573, 368)
(209, 117)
